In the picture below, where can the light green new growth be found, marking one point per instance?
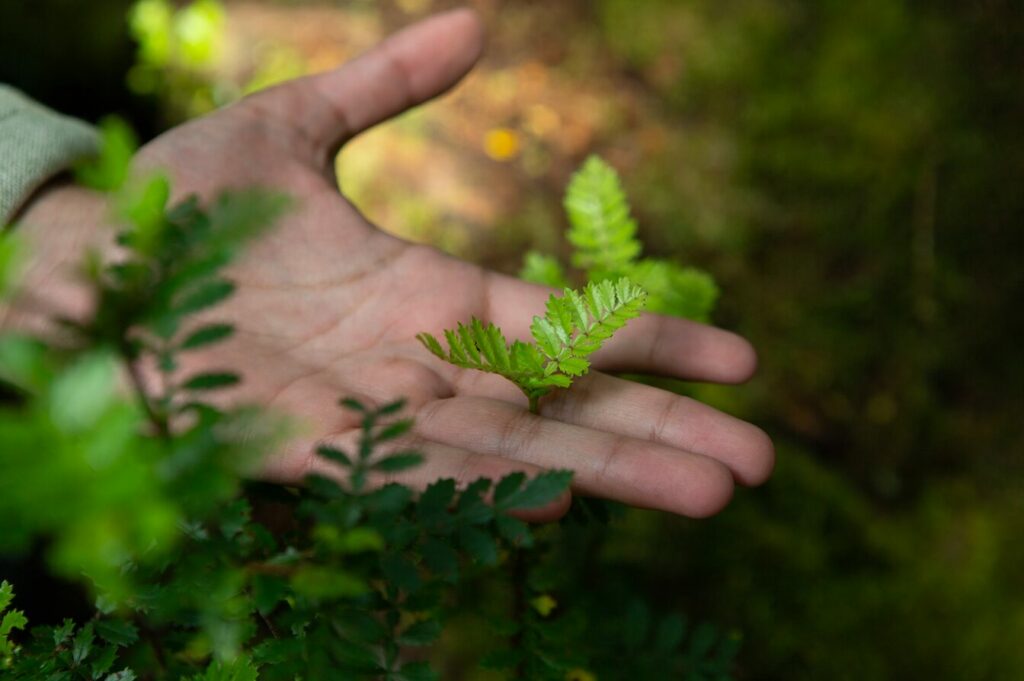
(603, 231)
(605, 247)
(574, 327)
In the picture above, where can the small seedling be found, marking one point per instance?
(574, 327)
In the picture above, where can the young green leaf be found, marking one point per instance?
(211, 381)
(398, 462)
(537, 492)
(602, 230)
(207, 335)
(575, 326)
(334, 454)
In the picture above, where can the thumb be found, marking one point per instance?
(407, 69)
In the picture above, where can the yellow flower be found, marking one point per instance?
(502, 144)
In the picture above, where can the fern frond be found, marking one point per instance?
(483, 347)
(577, 324)
(573, 328)
(602, 230)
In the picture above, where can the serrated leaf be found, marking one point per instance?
(573, 366)
(6, 594)
(548, 340)
(541, 490)
(102, 663)
(468, 344)
(438, 496)
(508, 485)
(391, 498)
(81, 645)
(117, 632)
(431, 344)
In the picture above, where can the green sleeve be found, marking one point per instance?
(35, 145)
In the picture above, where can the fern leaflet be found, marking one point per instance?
(573, 328)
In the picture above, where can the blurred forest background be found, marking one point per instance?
(852, 173)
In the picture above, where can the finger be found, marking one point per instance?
(650, 344)
(638, 411)
(439, 461)
(406, 69)
(626, 469)
(646, 413)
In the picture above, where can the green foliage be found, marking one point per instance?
(604, 236)
(109, 171)
(177, 46)
(9, 621)
(573, 328)
(194, 573)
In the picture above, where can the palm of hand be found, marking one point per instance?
(328, 306)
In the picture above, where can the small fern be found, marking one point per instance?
(605, 247)
(573, 328)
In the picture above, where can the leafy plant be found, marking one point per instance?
(604, 238)
(574, 327)
(197, 573)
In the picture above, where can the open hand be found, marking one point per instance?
(327, 306)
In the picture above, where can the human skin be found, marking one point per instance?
(328, 305)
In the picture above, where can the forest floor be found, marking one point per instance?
(480, 172)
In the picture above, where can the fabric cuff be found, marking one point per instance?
(35, 145)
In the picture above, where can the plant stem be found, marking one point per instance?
(159, 422)
(534, 404)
